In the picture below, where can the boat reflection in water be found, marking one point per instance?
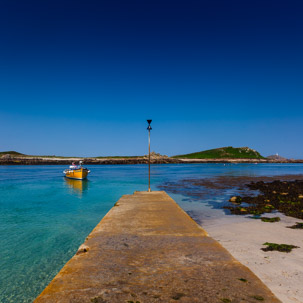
(77, 186)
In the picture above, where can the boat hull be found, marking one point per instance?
(78, 174)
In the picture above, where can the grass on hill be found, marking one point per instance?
(12, 153)
(224, 153)
(16, 154)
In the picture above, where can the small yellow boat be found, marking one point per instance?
(76, 172)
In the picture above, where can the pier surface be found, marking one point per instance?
(147, 249)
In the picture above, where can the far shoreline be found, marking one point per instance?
(137, 160)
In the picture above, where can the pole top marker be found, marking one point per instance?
(149, 127)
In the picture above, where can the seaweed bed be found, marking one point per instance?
(266, 219)
(296, 226)
(270, 220)
(278, 247)
(284, 196)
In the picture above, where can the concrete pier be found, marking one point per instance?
(147, 249)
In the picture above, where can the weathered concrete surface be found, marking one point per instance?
(147, 249)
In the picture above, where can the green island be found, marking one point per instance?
(228, 152)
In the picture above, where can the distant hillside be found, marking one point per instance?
(12, 153)
(16, 154)
(224, 153)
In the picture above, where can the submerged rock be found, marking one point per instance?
(235, 200)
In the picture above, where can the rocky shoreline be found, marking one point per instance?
(283, 196)
(86, 161)
(139, 160)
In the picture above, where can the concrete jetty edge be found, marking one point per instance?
(147, 249)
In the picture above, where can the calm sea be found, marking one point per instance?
(45, 217)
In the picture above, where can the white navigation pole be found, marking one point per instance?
(149, 129)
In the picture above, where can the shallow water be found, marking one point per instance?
(45, 217)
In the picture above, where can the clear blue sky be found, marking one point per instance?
(81, 77)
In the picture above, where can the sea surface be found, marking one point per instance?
(44, 217)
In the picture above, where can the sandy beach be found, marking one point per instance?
(243, 238)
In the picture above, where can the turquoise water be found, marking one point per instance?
(45, 217)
